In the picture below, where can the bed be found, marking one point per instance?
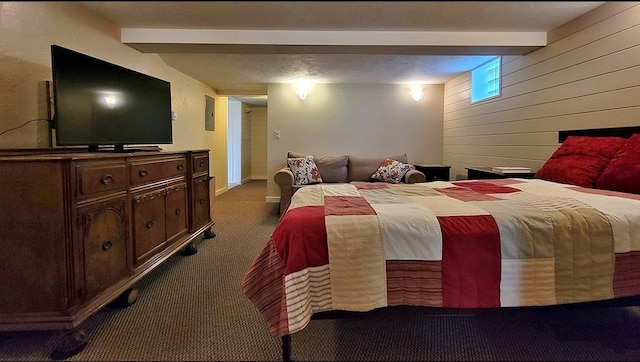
(569, 235)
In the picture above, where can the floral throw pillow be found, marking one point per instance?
(305, 171)
(391, 171)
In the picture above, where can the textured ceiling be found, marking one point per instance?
(344, 15)
(237, 65)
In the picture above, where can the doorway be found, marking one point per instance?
(234, 138)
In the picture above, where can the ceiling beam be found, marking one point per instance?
(331, 42)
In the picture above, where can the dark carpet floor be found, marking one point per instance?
(192, 308)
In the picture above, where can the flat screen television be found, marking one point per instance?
(97, 103)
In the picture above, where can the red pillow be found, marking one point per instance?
(580, 160)
(623, 172)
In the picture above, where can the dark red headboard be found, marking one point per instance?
(625, 132)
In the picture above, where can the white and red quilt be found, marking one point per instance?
(464, 244)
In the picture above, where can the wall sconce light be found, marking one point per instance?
(416, 92)
(110, 101)
(302, 87)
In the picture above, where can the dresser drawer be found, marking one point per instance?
(105, 241)
(200, 163)
(201, 205)
(93, 179)
(145, 171)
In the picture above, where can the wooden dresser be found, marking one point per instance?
(78, 229)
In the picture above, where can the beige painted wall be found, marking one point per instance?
(588, 76)
(357, 119)
(27, 31)
(258, 143)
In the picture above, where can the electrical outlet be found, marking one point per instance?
(276, 134)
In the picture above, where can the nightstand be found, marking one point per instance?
(479, 173)
(434, 172)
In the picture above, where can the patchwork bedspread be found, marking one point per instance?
(464, 244)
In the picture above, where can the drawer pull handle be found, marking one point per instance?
(178, 211)
(149, 224)
(106, 179)
(180, 166)
(142, 173)
(107, 245)
(201, 201)
(201, 163)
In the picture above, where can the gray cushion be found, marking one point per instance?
(332, 168)
(296, 154)
(362, 168)
(400, 157)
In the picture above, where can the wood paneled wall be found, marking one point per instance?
(588, 76)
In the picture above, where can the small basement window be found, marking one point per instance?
(485, 81)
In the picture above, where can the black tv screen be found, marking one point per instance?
(99, 103)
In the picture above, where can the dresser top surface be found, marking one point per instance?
(55, 155)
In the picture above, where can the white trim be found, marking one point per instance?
(221, 191)
(272, 199)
